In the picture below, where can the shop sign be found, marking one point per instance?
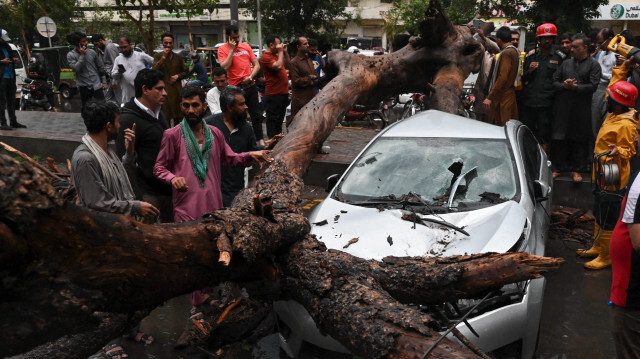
(619, 12)
(165, 15)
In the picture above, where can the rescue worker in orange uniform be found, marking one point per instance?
(616, 136)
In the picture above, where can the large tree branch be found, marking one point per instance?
(69, 270)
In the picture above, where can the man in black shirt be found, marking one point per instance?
(238, 134)
(144, 110)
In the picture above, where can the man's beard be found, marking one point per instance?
(127, 53)
(112, 136)
(239, 118)
(193, 119)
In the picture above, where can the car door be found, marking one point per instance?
(536, 169)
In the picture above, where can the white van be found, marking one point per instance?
(21, 70)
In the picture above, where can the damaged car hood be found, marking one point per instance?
(372, 234)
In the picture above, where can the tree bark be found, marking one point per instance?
(74, 278)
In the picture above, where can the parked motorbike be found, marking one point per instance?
(370, 117)
(468, 101)
(34, 94)
(417, 103)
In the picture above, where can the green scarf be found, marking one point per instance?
(199, 159)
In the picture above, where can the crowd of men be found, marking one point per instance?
(158, 172)
(173, 162)
(580, 100)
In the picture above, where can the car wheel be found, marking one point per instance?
(66, 92)
(376, 121)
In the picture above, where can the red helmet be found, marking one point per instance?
(547, 29)
(623, 93)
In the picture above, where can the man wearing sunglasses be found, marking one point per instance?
(190, 157)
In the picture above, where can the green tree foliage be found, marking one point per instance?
(18, 15)
(144, 21)
(406, 15)
(324, 20)
(99, 20)
(567, 15)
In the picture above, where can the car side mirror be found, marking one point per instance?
(541, 191)
(331, 182)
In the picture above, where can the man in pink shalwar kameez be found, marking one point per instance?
(195, 177)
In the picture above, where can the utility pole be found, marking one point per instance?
(259, 16)
(233, 7)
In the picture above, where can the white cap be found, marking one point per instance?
(5, 36)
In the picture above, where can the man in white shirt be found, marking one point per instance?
(219, 76)
(607, 60)
(125, 68)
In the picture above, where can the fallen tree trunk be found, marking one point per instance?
(75, 278)
(65, 274)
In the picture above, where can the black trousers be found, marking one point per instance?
(276, 109)
(252, 99)
(7, 100)
(626, 332)
(570, 156)
(88, 93)
(606, 208)
(538, 119)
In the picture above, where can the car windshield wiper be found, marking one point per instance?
(441, 221)
(408, 203)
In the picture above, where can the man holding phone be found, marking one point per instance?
(126, 67)
(91, 77)
(242, 67)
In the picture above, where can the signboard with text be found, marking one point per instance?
(615, 11)
(163, 15)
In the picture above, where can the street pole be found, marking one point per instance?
(46, 26)
(259, 16)
(233, 7)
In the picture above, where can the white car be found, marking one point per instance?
(476, 188)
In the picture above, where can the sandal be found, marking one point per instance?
(114, 351)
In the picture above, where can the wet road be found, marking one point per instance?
(575, 317)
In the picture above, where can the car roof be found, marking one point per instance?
(433, 123)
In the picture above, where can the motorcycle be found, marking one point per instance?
(34, 93)
(367, 116)
(468, 101)
(417, 103)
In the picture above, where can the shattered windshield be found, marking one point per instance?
(478, 172)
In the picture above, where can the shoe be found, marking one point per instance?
(603, 260)
(556, 174)
(594, 251)
(18, 125)
(577, 178)
(5, 128)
